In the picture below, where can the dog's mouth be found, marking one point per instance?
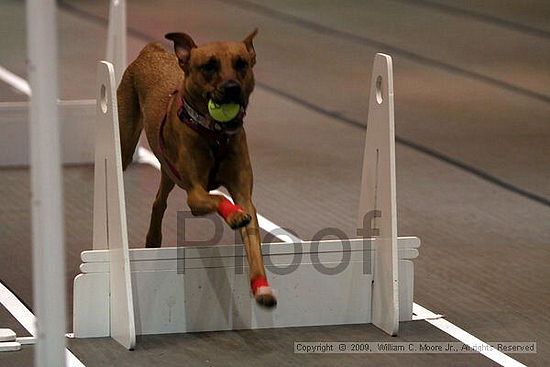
(220, 98)
(228, 92)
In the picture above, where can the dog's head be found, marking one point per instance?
(221, 71)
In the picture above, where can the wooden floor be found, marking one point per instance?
(472, 87)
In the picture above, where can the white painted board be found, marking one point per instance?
(271, 249)
(91, 305)
(211, 291)
(7, 335)
(222, 262)
(377, 203)
(109, 208)
(10, 346)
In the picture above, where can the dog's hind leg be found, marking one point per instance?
(129, 116)
(154, 235)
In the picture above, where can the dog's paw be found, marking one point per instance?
(265, 297)
(238, 219)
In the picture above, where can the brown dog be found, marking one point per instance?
(196, 152)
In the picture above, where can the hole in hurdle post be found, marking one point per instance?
(103, 98)
(379, 97)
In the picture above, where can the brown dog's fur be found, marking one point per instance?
(143, 97)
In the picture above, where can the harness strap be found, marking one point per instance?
(218, 138)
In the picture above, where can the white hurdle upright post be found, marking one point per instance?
(110, 227)
(206, 288)
(46, 185)
(116, 38)
(377, 203)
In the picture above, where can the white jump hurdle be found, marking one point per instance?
(177, 289)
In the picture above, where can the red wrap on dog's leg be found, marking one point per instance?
(226, 208)
(259, 285)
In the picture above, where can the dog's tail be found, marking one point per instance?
(129, 117)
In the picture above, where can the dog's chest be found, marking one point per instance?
(217, 150)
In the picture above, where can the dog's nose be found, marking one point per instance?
(231, 90)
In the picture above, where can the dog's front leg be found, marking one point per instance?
(252, 241)
(201, 203)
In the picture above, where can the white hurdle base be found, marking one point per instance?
(178, 290)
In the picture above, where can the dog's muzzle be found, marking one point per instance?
(228, 92)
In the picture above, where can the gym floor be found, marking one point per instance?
(472, 96)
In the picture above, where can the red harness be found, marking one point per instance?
(162, 145)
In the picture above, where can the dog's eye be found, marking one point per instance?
(241, 64)
(209, 67)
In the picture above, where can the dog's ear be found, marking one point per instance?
(183, 44)
(250, 46)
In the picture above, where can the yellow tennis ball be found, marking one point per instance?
(223, 113)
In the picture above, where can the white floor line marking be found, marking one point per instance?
(15, 81)
(418, 314)
(439, 322)
(26, 340)
(25, 317)
(277, 231)
(145, 156)
(17, 309)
